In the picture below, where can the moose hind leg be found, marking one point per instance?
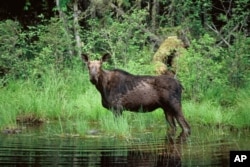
(171, 120)
(184, 124)
(177, 112)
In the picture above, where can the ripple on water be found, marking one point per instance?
(206, 148)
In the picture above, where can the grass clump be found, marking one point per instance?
(241, 117)
(203, 113)
(118, 126)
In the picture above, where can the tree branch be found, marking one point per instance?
(224, 39)
(152, 36)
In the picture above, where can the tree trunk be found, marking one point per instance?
(154, 13)
(138, 4)
(76, 29)
(65, 25)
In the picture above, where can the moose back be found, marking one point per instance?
(121, 90)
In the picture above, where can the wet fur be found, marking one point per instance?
(121, 90)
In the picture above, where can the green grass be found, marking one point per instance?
(203, 113)
(68, 100)
(241, 117)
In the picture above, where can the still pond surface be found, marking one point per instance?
(205, 147)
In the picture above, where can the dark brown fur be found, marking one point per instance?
(121, 90)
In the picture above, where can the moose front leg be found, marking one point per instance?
(117, 113)
(117, 110)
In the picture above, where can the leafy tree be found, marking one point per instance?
(123, 38)
(238, 62)
(12, 49)
(200, 68)
(53, 47)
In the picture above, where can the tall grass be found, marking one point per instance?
(68, 99)
(48, 97)
(212, 112)
(205, 113)
(241, 116)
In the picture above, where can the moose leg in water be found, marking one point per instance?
(121, 90)
(173, 111)
(171, 121)
(176, 109)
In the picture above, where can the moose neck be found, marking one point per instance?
(102, 83)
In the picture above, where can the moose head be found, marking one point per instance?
(95, 66)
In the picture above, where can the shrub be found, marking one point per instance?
(122, 37)
(200, 69)
(11, 49)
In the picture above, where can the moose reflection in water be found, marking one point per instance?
(163, 155)
(123, 91)
(39, 151)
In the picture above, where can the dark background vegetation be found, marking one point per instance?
(39, 35)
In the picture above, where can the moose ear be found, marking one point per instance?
(105, 57)
(85, 58)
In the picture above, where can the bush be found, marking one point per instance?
(30, 52)
(123, 37)
(11, 49)
(52, 46)
(211, 72)
(200, 69)
(238, 62)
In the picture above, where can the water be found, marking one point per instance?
(205, 147)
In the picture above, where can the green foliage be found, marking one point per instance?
(235, 22)
(211, 72)
(201, 67)
(242, 115)
(205, 113)
(63, 4)
(238, 62)
(187, 14)
(31, 52)
(53, 47)
(11, 48)
(116, 126)
(123, 38)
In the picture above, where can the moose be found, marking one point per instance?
(121, 90)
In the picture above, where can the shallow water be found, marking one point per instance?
(205, 147)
